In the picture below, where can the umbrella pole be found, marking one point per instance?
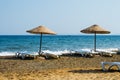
(95, 42)
(40, 44)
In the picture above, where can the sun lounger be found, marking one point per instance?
(88, 53)
(25, 55)
(111, 64)
(49, 55)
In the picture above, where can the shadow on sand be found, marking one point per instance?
(92, 71)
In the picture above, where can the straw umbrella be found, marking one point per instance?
(40, 30)
(95, 29)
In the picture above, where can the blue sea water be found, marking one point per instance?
(31, 43)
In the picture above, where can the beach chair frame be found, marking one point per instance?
(111, 64)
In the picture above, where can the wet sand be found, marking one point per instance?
(64, 68)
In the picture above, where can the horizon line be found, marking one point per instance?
(52, 35)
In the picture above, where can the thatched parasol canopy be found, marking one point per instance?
(41, 30)
(95, 29)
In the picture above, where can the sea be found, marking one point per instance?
(11, 44)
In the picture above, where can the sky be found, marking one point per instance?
(62, 16)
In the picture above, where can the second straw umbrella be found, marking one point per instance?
(95, 29)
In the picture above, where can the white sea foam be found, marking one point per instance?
(59, 52)
(7, 53)
(109, 49)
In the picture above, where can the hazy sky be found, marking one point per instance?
(61, 16)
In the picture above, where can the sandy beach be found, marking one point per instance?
(64, 68)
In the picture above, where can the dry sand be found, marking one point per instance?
(65, 68)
